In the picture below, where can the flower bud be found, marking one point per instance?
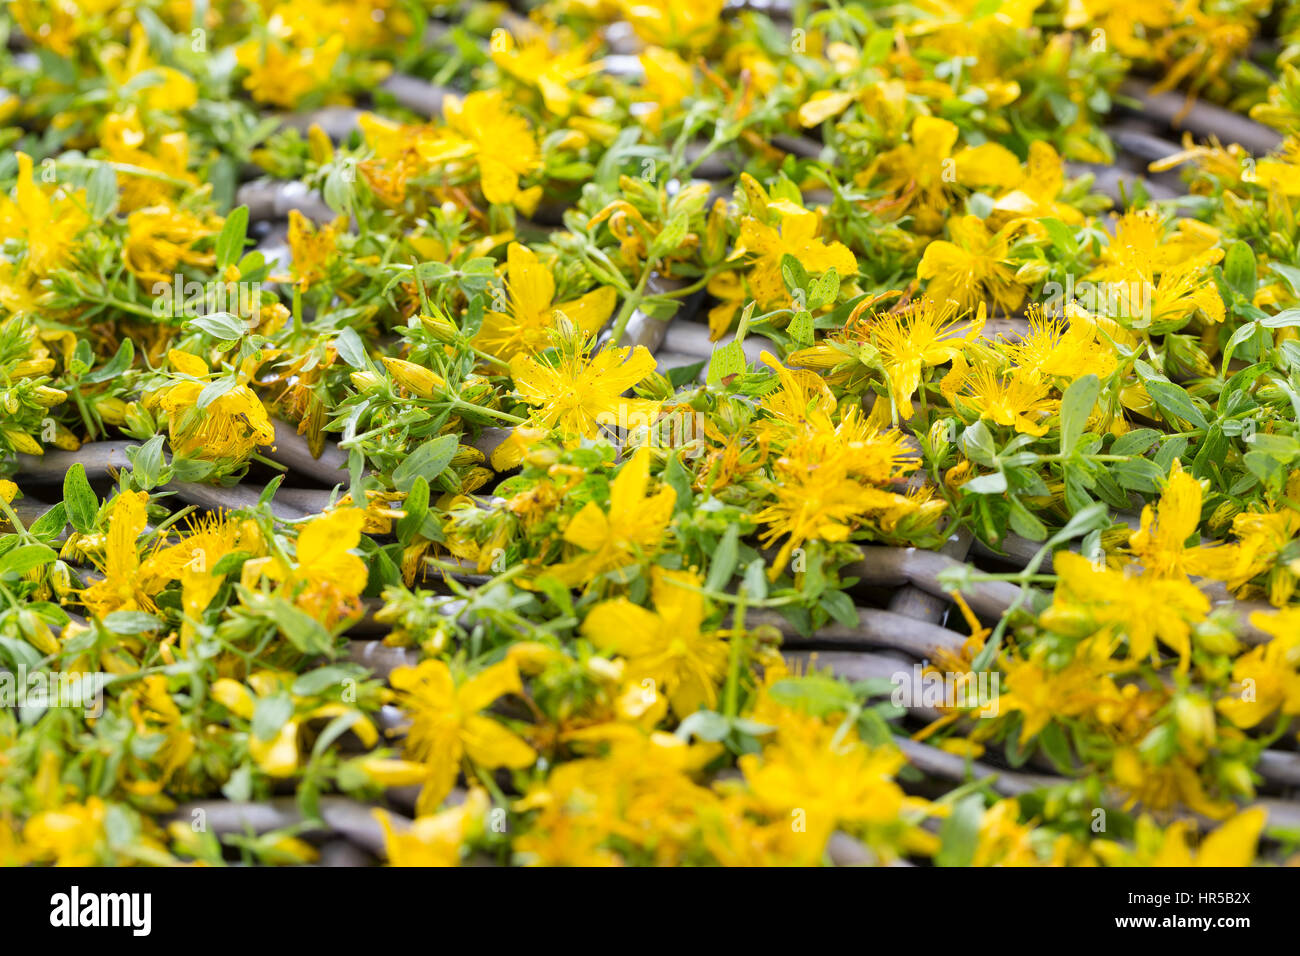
(365, 381)
(440, 327)
(1237, 776)
(48, 397)
(1195, 719)
(415, 378)
(30, 367)
(1032, 272)
(112, 410)
(22, 442)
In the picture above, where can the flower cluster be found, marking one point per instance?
(588, 437)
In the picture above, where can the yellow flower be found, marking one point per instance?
(278, 755)
(162, 238)
(630, 531)
(919, 336)
(796, 236)
(1174, 783)
(1003, 839)
(553, 74)
(1232, 844)
(815, 496)
(972, 269)
(638, 800)
(153, 86)
(1042, 693)
(668, 80)
(123, 139)
(283, 75)
(1100, 601)
(1055, 353)
(1160, 543)
(817, 774)
(433, 840)
(926, 171)
(528, 319)
(70, 835)
(581, 393)
(1265, 677)
(312, 247)
(482, 128)
(328, 578)
(156, 714)
(446, 724)
(666, 645)
(49, 223)
(1019, 399)
(122, 587)
(674, 23)
(54, 26)
(1035, 196)
(1143, 245)
(225, 431)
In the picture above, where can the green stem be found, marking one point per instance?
(731, 695)
(630, 304)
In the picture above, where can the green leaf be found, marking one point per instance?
(677, 478)
(146, 461)
(671, 236)
(725, 556)
(994, 483)
(348, 344)
(1025, 523)
(230, 243)
(132, 622)
(428, 461)
(1076, 406)
(959, 834)
(840, 607)
(728, 360)
(1054, 744)
(800, 330)
(119, 363)
(322, 679)
(685, 374)
(101, 191)
(1174, 401)
(270, 714)
(1062, 236)
(1239, 269)
(1290, 273)
(1285, 319)
(794, 274)
(814, 694)
(977, 443)
(80, 501)
(301, 629)
(29, 557)
(51, 523)
(706, 725)
(214, 390)
(1135, 442)
(416, 508)
(824, 290)
(756, 579)
(222, 326)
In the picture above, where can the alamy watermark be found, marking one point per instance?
(83, 690)
(923, 686)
